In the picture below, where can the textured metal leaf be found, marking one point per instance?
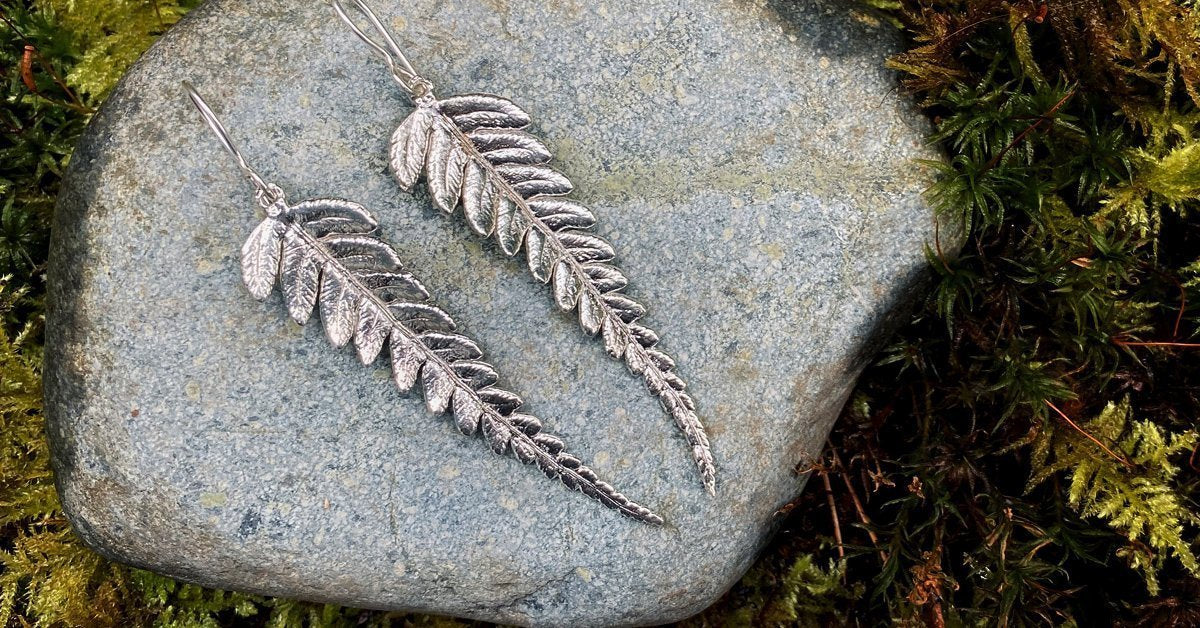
(408, 146)
(540, 257)
(509, 146)
(561, 213)
(527, 423)
(511, 225)
(300, 277)
(604, 277)
(260, 258)
(356, 251)
(406, 360)
(444, 167)
(421, 317)
(339, 307)
(495, 434)
(627, 309)
(471, 111)
(468, 410)
(479, 199)
(615, 337)
(566, 286)
(533, 180)
(549, 442)
(591, 313)
(643, 335)
(374, 327)
(438, 385)
(518, 228)
(391, 284)
(526, 452)
(451, 347)
(505, 402)
(673, 380)
(660, 359)
(476, 374)
(529, 208)
(323, 217)
(334, 224)
(634, 359)
(585, 247)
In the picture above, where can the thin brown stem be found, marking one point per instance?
(1182, 308)
(937, 242)
(1045, 117)
(1115, 455)
(1132, 343)
(158, 14)
(833, 513)
(858, 507)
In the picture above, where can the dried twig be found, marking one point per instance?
(858, 507)
(1132, 343)
(833, 513)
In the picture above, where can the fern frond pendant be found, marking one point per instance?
(475, 153)
(326, 256)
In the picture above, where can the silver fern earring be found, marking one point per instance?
(326, 255)
(474, 153)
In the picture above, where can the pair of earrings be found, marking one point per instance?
(325, 254)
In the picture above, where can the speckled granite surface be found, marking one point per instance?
(751, 165)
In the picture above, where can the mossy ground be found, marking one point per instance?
(1024, 452)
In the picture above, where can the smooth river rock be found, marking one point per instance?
(752, 164)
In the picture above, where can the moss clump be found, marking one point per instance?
(1023, 452)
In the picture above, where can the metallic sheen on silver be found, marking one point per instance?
(326, 254)
(475, 153)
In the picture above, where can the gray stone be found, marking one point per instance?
(751, 164)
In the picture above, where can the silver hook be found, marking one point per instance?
(266, 193)
(397, 63)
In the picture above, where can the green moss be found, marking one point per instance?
(989, 495)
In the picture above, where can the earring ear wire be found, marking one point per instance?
(267, 194)
(397, 63)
